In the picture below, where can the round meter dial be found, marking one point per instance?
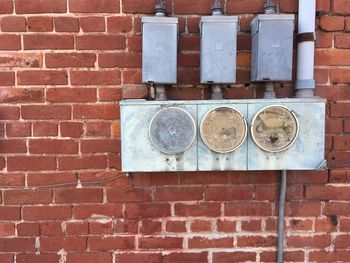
(275, 128)
(223, 129)
(172, 130)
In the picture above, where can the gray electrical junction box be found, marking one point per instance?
(159, 49)
(218, 49)
(272, 47)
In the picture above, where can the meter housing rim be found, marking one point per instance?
(296, 122)
(192, 121)
(245, 129)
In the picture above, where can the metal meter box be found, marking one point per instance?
(272, 47)
(158, 136)
(286, 134)
(159, 49)
(217, 135)
(218, 49)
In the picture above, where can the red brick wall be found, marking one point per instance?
(65, 65)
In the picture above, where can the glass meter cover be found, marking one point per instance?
(172, 130)
(275, 128)
(223, 129)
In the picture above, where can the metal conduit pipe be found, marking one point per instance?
(305, 83)
(282, 201)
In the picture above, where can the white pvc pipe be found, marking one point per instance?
(306, 50)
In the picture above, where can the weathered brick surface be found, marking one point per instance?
(64, 67)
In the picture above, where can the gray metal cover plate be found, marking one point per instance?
(172, 130)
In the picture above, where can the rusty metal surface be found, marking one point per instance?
(274, 128)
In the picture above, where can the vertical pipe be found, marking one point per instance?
(305, 83)
(282, 201)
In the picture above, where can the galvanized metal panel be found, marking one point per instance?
(272, 47)
(159, 50)
(218, 49)
(307, 152)
(138, 152)
(209, 160)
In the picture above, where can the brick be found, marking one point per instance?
(344, 225)
(40, 24)
(294, 192)
(89, 257)
(42, 77)
(326, 225)
(202, 242)
(19, 95)
(111, 94)
(245, 6)
(95, 77)
(327, 193)
(200, 209)
(9, 113)
(222, 257)
(341, 7)
(251, 225)
(12, 146)
(24, 197)
(192, 7)
(42, 6)
(98, 129)
(292, 256)
(6, 6)
(46, 112)
(110, 243)
(190, 43)
(45, 129)
(71, 95)
(126, 226)
(149, 227)
(12, 179)
(49, 146)
(100, 42)
(129, 60)
(134, 43)
(71, 129)
(201, 257)
(23, 163)
(7, 229)
(340, 76)
(176, 226)
(9, 213)
(256, 241)
(332, 23)
(77, 228)
(28, 229)
(134, 91)
(92, 24)
(179, 193)
(13, 24)
(323, 256)
(106, 112)
(97, 211)
(324, 39)
(35, 213)
(66, 24)
(334, 126)
(54, 244)
(100, 146)
(341, 143)
(288, 6)
(339, 176)
(332, 57)
(7, 78)
(51, 229)
(88, 6)
(139, 257)
(303, 209)
(147, 210)
(81, 163)
(340, 110)
(68, 196)
(66, 60)
(248, 209)
(10, 42)
(160, 242)
(130, 194)
(337, 208)
(39, 42)
(40, 258)
(17, 245)
(141, 7)
(100, 228)
(226, 226)
(317, 241)
(119, 24)
(20, 60)
(50, 178)
(342, 41)
(231, 193)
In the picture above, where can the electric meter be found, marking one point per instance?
(274, 128)
(172, 130)
(223, 129)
